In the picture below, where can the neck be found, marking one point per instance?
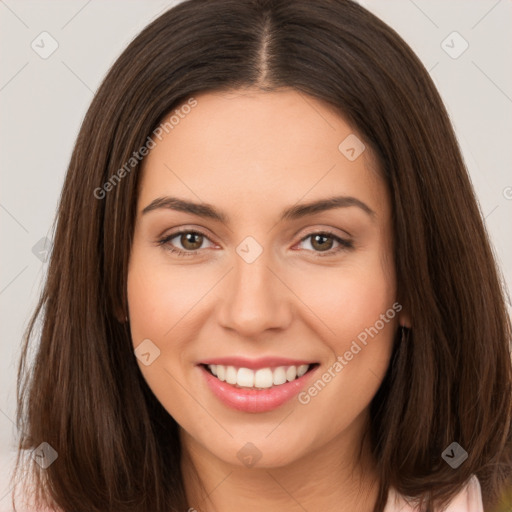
(340, 476)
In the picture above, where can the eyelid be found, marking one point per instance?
(328, 230)
(187, 228)
(165, 239)
(344, 242)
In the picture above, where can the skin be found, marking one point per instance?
(251, 154)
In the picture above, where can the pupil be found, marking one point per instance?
(322, 246)
(189, 239)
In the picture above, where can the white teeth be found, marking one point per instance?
(302, 369)
(221, 372)
(262, 379)
(231, 374)
(291, 373)
(279, 376)
(245, 377)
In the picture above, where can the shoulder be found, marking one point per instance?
(469, 499)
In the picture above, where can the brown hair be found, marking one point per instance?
(449, 380)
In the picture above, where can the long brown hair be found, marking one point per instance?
(449, 379)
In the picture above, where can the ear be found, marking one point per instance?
(404, 319)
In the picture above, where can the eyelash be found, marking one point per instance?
(344, 244)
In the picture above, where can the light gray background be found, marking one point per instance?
(43, 101)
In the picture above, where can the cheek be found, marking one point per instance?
(350, 298)
(161, 297)
(356, 312)
(159, 305)
(360, 311)
(166, 307)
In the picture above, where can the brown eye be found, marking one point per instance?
(191, 241)
(184, 243)
(322, 242)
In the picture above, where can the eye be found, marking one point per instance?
(191, 242)
(323, 241)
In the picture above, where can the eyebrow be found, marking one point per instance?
(294, 212)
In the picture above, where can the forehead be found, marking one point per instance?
(278, 147)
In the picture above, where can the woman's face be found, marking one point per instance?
(257, 293)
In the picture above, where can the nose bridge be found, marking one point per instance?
(254, 300)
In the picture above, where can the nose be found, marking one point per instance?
(254, 298)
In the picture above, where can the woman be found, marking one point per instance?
(270, 287)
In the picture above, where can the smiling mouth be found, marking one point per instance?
(262, 378)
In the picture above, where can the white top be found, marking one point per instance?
(469, 499)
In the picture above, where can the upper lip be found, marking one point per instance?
(255, 364)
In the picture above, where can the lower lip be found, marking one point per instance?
(254, 400)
